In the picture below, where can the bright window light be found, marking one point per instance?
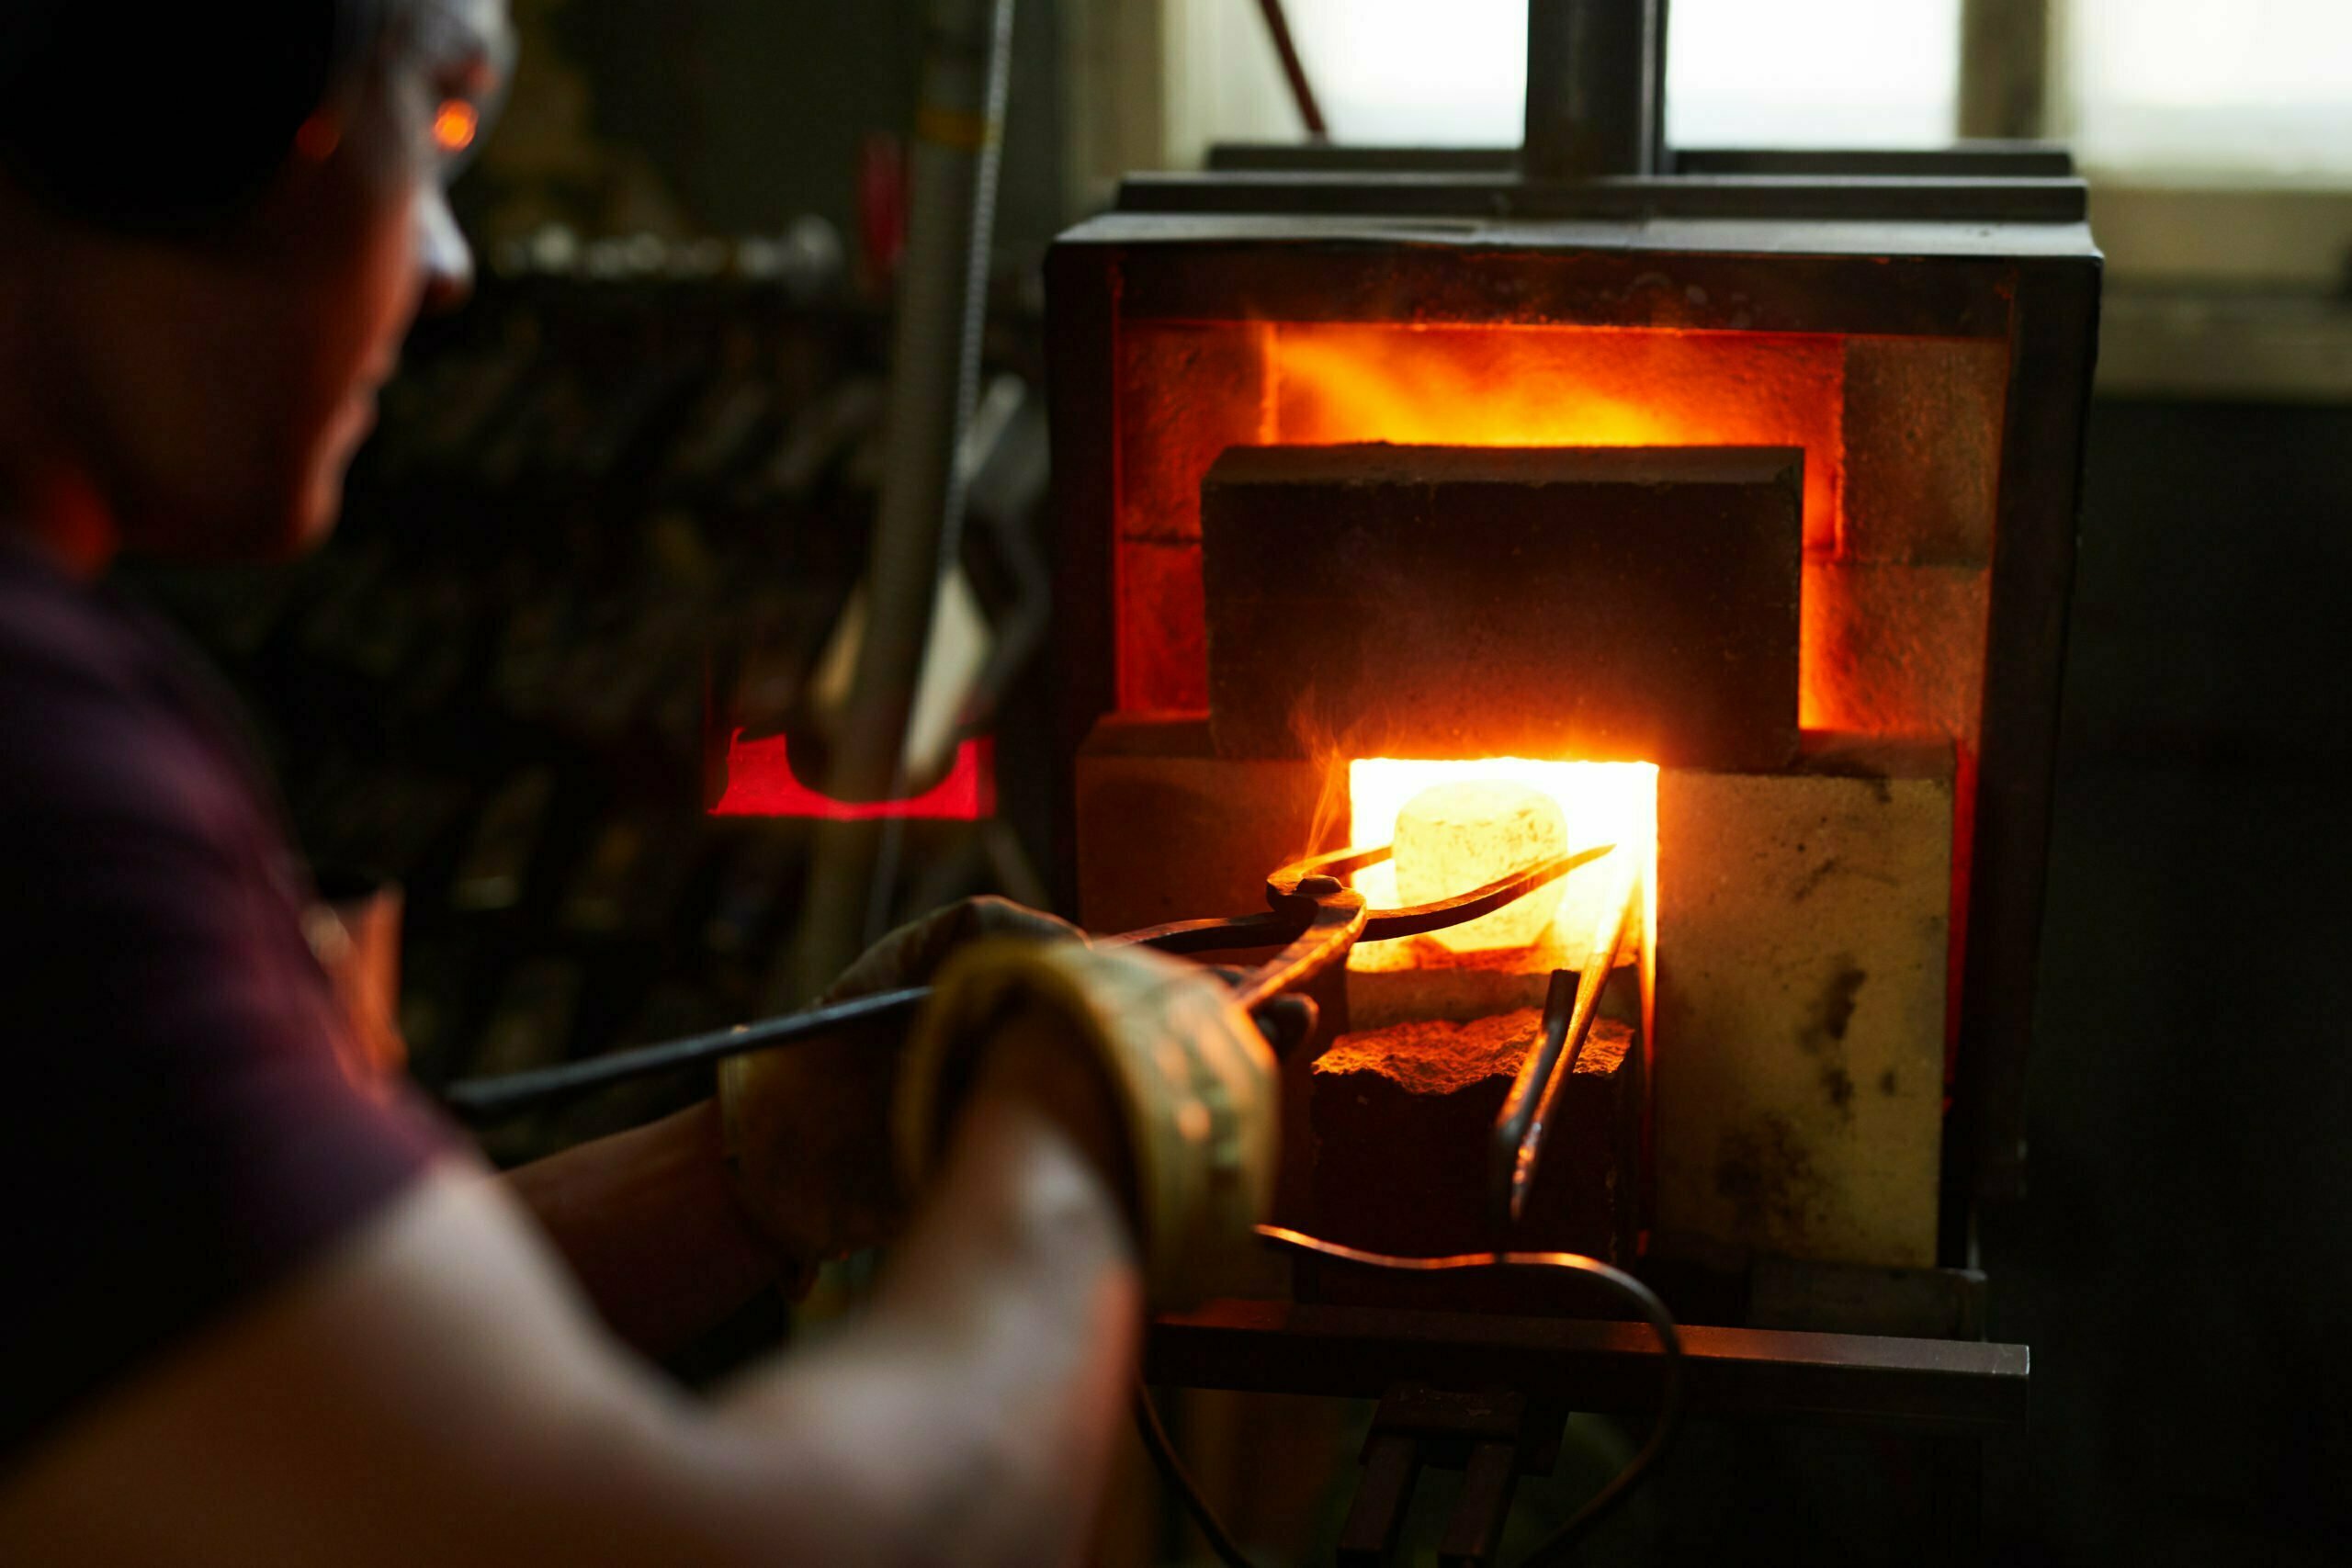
(1405, 72)
(1741, 73)
(1813, 72)
(2203, 86)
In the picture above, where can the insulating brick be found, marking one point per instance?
(1896, 651)
(1923, 448)
(1403, 1119)
(1802, 928)
(1632, 604)
(1167, 831)
(1187, 391)
(1163, 644)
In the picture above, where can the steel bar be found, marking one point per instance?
(1474, 1532)
(1974, 159)
(1932, 1385)
(486, 1099)
(1392, 1466)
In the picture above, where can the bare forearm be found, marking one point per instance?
(977, 1407)
(647, 1221)
(966, 1422)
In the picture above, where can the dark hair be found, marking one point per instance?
(166, 116)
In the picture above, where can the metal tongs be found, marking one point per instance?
(1569, 1009)
(1313, 915)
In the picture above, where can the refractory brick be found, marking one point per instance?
(1923, 448)
(1635, 604)
(1403, 1118)
(1167, 831)
(1802, 932)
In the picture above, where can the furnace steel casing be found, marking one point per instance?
(1933, 373)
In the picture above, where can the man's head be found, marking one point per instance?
(214, 234)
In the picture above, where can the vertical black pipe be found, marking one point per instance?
(1595, 82)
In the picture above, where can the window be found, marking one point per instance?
(2185, 88)
(2218, 133)
(1812, 73)
(1406, 71)
(1391, 72)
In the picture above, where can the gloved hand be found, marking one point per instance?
(808, 1126)
(1193, 1079)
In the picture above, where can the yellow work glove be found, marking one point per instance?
(1194, 1082)
(808, 1126)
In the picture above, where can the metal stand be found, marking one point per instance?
(1955, 1393)
(1492, 1439)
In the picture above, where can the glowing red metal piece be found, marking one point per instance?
(760, 783)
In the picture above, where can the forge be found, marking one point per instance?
(1713, 508)
(1728, 515)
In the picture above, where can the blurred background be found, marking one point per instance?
(613, 520)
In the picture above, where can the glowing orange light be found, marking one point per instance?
(761, 782)
(1538, 385)
(456, 126)
(1190, 389)
(1600, 803)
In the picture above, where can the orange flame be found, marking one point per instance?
(1522, 386)
(1190, 389)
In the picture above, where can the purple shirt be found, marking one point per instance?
(177, 1130)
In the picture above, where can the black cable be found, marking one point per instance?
(1180, 1481)
(1555, 1546)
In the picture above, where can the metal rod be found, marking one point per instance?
(1517, 1114)
(487, 1100)
(917, 527)
(1302, 91)
(2005, 61)
(1932, 1385)
(1595, 79)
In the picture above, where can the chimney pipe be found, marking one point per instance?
(1596, 89)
